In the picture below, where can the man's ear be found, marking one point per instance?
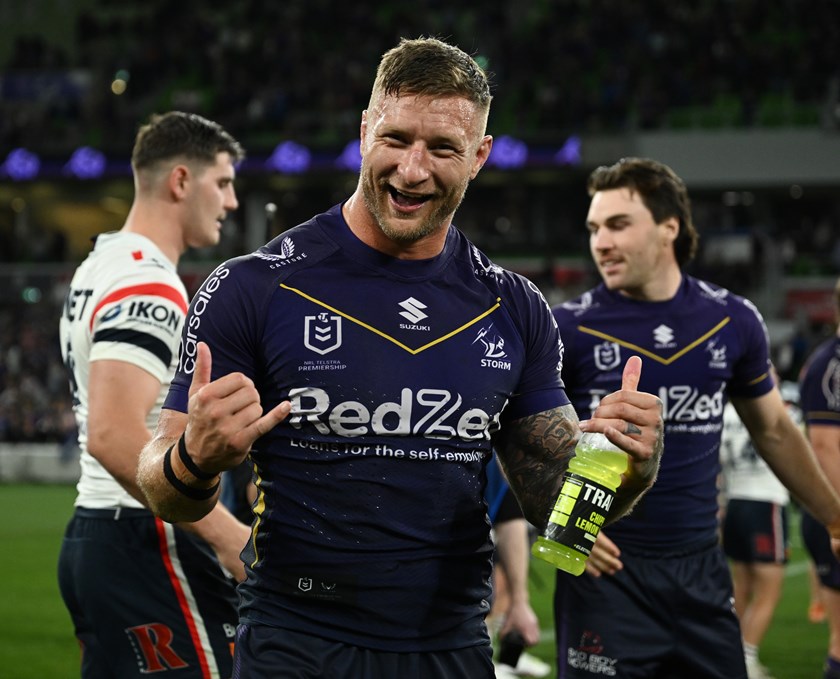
(363, 131)
(482, 154)
(672, 229)
(179, 178)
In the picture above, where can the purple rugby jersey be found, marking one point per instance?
(697, 349)
(371, 526)
(820, 384)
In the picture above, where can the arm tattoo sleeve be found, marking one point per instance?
(534, 452)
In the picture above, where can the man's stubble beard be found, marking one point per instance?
(435, 221)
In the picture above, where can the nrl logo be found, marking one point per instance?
(322, 333)
(607, 356)
(304, 584)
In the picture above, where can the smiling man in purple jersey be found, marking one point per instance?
(368, 361)
(656, 600)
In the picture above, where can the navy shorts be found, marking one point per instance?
(755, 532)
(146, 598)
(818, 543)
(264, 652)
(664, 616)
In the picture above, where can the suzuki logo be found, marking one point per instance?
(663, 335)
(412, 310)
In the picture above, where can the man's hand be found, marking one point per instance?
(833, 529)
(604, 557)
(520, 617)
(632, 420)
(225, 416)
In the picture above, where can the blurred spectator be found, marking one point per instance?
(34, 397)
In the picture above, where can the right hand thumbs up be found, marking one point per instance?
(203, 368)
(632, 374)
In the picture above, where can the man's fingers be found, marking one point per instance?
(632, 373)
(268, 421)
(203, 367)
(275, 416)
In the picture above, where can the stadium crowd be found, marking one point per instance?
(35, 401)
(270, 71)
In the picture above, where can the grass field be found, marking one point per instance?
(36, 637)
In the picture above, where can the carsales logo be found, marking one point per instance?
(189, 340)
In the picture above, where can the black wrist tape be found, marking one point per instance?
(183, 488)
(191, 466)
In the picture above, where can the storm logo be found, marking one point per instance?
(494, 349)
(717, 353)
(584, 304)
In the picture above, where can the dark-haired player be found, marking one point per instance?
(147, 598)
(656, 600)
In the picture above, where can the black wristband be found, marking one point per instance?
(191, 466)
(183, 488)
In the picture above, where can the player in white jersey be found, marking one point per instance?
(145, 596)
(126, 303)
(755, 528)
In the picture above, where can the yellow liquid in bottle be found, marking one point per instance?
(596, 459)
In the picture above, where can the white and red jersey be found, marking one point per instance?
(126, 303)
(746, 476)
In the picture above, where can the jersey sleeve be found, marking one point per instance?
(820, 387)
(223, 315)
(540, 387)
(139, 322)
(752, 376)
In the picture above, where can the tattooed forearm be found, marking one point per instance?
(534, 452)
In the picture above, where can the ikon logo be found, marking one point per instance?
(413, 311)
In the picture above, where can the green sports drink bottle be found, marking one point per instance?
(585, 499)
